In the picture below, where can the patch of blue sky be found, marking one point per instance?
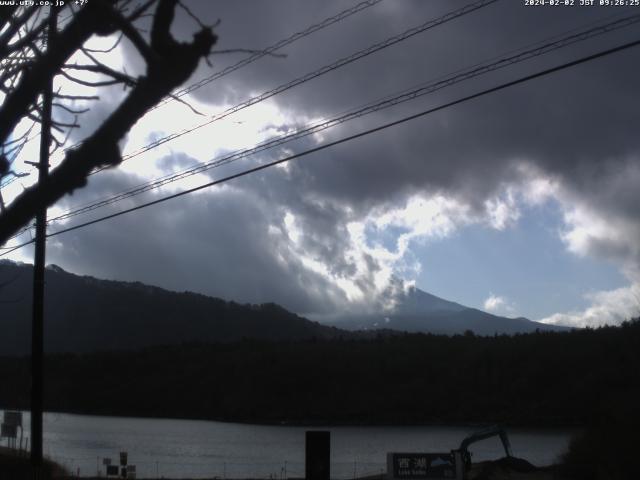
(527, 263)
(386, 237)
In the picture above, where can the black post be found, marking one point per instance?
(37, 326)
(317, 455)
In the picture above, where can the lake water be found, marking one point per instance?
(204, 449)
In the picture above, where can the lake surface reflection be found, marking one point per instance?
(205, 449)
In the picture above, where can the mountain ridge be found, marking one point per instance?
(87, 314)
(417, 311)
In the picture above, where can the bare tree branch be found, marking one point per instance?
(69, 109)
(192, 15)
(15, 24)
(95, 13)
(6, 48)
(6, 15)
(135, 37)
(89, 83)
(75, 97)
(169, 64)
(108, 50)
(103, 69)
(139, 12)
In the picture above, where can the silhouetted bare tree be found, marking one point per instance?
(28, 62)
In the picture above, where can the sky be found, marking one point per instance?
(522, 202)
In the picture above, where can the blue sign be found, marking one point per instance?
(413, 466)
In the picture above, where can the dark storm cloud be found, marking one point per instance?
(565, 123)
(230, 244)
(578, 127)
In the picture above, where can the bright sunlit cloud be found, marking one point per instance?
(607, 308)
(498, 304)
(200, 137)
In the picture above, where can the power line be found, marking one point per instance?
(29, 139)
(520, 55)
(467, 98)
(315, 74)
(272, 48)
(388, 42)
(257, 55)
(479, 69)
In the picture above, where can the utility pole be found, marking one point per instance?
(37, 325)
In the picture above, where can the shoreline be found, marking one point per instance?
(323, 423)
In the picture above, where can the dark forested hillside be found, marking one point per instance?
(85, 314)
(537, 379)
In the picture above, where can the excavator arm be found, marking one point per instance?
(481, 435)
(487, 433)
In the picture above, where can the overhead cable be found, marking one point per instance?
(370, 131)
(388, 102)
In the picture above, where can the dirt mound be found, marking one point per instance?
(508, 468)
